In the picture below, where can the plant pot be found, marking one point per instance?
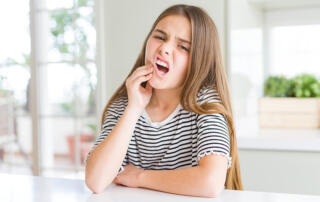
(86, 141)
(289, 112)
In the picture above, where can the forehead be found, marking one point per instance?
(176, 25)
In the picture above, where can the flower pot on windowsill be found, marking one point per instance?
(86, 141)
(289, 112)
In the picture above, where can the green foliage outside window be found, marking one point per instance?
(77, 50)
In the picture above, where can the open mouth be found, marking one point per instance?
(162, 66)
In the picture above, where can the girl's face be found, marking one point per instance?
(168, 50)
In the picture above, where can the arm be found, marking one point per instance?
(105, 160)
(205, 180)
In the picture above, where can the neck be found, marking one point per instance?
(165, 99)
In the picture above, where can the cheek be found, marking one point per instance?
(151, 47)
(182, 62)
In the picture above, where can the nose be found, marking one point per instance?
(166, 49)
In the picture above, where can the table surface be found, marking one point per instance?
(16, 188)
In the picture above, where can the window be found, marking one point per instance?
(15, 145)
(281, 42)
(295, 50)
(246, 74)
(66, 40)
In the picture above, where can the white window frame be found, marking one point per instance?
(36, 51)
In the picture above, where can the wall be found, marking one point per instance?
(280, 171)
(126, 26)
(264, 170)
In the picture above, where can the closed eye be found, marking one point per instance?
(159, 37)
(184, 48)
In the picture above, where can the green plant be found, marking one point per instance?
(303, 85)
(278, 86)
(306, 85)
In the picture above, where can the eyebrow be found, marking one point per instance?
(164, 33)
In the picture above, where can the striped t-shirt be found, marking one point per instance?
(177, 142)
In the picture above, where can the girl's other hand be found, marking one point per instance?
(138, 96)
(130, 177)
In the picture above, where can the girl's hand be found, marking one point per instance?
(138, 96)
(129, 177)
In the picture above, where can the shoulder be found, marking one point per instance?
(208, 94)
(118, 106)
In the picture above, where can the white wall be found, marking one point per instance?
(280, 171)
(127, 23)
(264, 170)
(245, 55)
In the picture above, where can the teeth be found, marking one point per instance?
(161, 63)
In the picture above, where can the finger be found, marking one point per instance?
(141, 71)
(142, 79)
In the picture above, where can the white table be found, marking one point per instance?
(19, 188)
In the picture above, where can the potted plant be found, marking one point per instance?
(290, 103)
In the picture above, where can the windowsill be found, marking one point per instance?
(251, 137)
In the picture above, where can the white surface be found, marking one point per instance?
(37, 189)
(250, 136)
(281, 139)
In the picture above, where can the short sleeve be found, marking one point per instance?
(110, 120)
(213, 136)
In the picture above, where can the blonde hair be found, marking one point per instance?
(205, 69)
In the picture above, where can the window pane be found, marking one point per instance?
(72, 35)
(14, 40)
(295, 50)
(15, 79)
(58, 4)
(67, 111)
(82, 3)
(62, 45)
(65, 89)
(59, 154)
(246, 70)
(85, 33)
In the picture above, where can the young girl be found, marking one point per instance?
(169, 126)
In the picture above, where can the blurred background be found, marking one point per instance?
(60, 61)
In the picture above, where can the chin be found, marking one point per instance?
(156, 84)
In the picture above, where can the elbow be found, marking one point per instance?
(96, 186)
(212, 189)
(96, 189)
(213, 193)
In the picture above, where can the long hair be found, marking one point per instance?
(205, 69)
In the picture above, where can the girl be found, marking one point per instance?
(169, 126)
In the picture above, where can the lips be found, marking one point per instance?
(162, 66)
(162, 60)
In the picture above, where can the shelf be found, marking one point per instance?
(284, 4)
(251, 137)
(306, 140)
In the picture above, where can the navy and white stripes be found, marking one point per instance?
(177, 142)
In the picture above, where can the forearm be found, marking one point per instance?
(193, 181)
(105, 160)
